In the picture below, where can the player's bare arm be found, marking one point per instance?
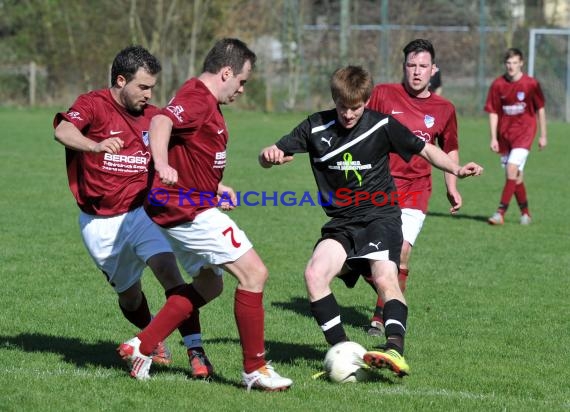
(493, 126)
(442, 161)
(71, 137)
(272, 155)
(542, 139)
(453, 195)
(227, 199)
(159, 136)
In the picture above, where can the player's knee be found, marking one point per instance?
(131, 299)
(217, 286)
(314, 281)
(386, 281)
(254, 278)
(166, 270)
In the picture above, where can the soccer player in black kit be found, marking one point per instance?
(348, 150)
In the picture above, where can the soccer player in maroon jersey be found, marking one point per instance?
(432, 118)
(105, 133)
(188, 140)
(349, 149)
(514, 101)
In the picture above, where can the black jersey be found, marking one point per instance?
(351, 166)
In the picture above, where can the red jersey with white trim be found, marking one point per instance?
(431, 119)
(107, 184)
(516, 104)
(197, 150)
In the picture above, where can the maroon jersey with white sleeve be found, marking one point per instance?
(432, 119)
(197, 150)
(516, 104)
(107, 184)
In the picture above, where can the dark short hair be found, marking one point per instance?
(351, 85)
(512, 52)
(417, 46)
(129, 60)
(228, 52)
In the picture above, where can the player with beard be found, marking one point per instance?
(105, 133)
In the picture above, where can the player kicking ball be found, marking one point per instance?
(349, 149)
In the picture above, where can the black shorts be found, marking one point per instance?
(365, 239)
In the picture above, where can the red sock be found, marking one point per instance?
(378, 311)
(402, 279)
(508, 192)
(191, 326)
(177, 308)
(520, 195)
(250, 317)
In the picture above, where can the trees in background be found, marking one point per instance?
(299, 42)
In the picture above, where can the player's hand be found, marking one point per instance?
(167, 174)
(542, 142)
(226, 197)
(272, 155)
(494, 145)
(111, 145)
(470, 169)
(455, 201)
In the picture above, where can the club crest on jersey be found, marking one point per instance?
(74, 115)
(145, 137)
(429, 121)
(520, 96)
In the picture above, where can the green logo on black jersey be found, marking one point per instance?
(350, 167)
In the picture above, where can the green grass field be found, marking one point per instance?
(488, 326)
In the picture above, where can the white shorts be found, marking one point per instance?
(209, 241)
(517, 157)
(121, 245)
(412, 222)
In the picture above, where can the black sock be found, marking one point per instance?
(327, 314)
(139, 317)
(395, 317)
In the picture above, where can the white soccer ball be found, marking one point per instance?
(343, 363)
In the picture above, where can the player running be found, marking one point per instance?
(348, 149)
(431, 118)
(105, 133)
(188, 140)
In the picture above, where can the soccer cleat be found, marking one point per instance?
(525, 219)
(376, 329)
(496, 219)
(138, 363)
(161, 354)
(389, 359)
(266, 379)
(200, 366)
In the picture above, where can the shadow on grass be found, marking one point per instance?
(103, 353)
(72, 350)
(477, 218)
(357, 317)
(81, 354)
(284, 352)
